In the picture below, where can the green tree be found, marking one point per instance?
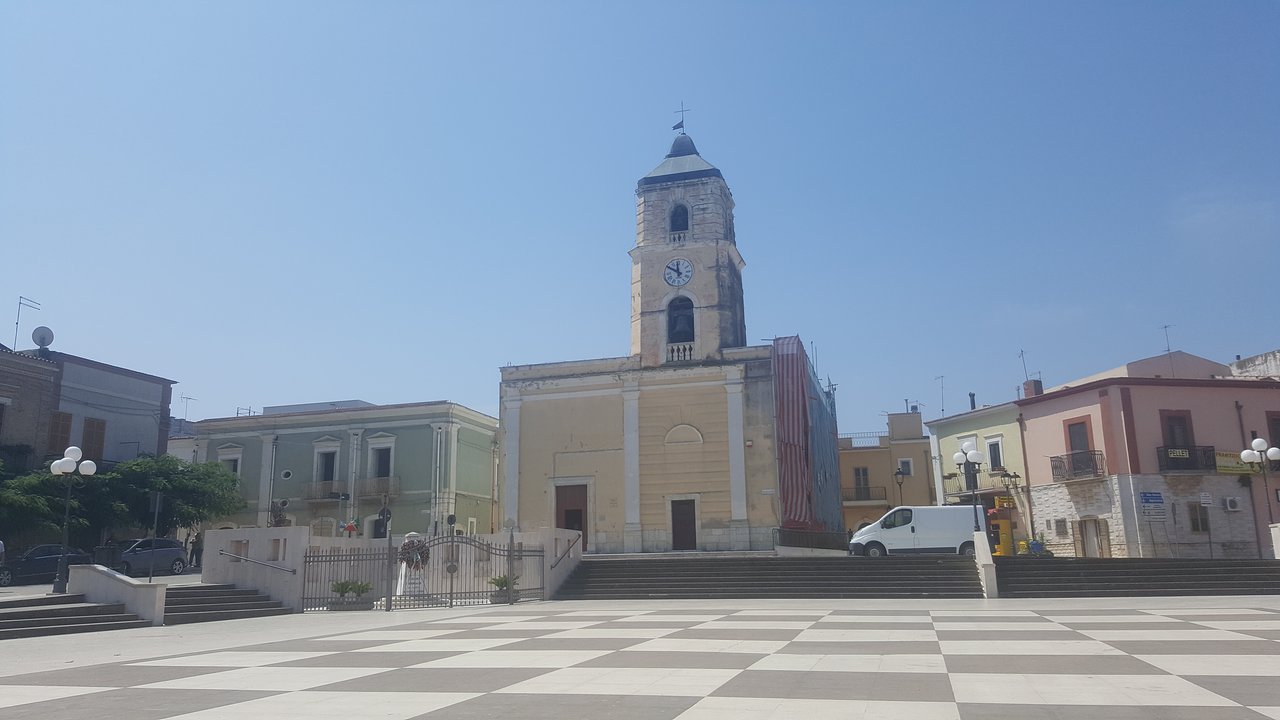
(193, 493)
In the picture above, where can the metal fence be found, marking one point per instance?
(459, 570)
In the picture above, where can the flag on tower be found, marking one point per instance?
(678, 126)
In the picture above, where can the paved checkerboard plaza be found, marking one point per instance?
(696, 660)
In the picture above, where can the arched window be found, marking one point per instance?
(680, 320)
(680, 219)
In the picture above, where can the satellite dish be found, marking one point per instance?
(42, 336)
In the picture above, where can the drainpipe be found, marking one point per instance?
(271, 482)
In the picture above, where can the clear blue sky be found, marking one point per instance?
(293, 202)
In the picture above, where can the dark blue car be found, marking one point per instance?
(39, 564)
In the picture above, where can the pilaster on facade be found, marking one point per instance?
(264, 480)
(511, 462)
(737, 445)
(632, 529)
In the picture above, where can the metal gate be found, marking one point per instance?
(458, 570)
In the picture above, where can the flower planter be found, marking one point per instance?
(503, 597)
(351, 604)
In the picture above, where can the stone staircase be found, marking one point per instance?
(667, 577)
(1127, 577)
(208, 602)
(38, 615)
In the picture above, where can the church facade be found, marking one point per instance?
(694, 441)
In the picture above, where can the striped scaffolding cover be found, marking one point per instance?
(805, 428)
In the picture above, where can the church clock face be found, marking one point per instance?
(678, 272)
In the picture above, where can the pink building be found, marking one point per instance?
(1144, 461)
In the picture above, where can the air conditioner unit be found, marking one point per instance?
(1231, 503)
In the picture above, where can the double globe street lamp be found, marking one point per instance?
(1258, 456)
(969, 462)
(71, 466)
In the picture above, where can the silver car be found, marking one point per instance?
(139, 555)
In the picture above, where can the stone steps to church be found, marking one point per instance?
(1120, 577)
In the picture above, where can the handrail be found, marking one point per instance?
(291, 571)
(565, 554)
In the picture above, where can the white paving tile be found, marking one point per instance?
(1026, 647)
(619, 633)
(740, 708)
(853, 663)
(1252, 665)
(515, 659)
(390, 635)
(488, 619)
(1178, 612)
(795, 613)
(1134, 635)
(762, 647)
(694, 682)
(922, 619)
(656, 617)
(443, 645)
(1240, 624)
(1107, 618)
(869, 635)
(544, 625)
(11, 695)
(1054, 689)
(604, 613)
(266, 678)
(754, 625)
(983, 613)
(998, 627)
(316, 705)
(233, 659)
(1271, 712)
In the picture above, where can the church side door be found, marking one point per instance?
(684, 525)
(571, 509)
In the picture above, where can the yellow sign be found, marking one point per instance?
(1005, 502)
(1229, 463)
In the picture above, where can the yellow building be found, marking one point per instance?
(677, 446)
(880, 470)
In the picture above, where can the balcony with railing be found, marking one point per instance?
(953, 484)
(863, 439)
(859, 495)
(679, 352)
(378, 486)
(322, 492)
(1078, 465)
(1187, 459)
(679, 236)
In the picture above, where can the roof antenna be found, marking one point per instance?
(942, 379)
(1023, 355)
(680, 125)
(1173, 372)
(23, 302)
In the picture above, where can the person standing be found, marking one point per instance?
(197, 548)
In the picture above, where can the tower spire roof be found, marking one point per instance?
(682, 163)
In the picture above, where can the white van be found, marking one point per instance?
(919, 529)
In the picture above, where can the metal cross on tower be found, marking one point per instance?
(680, 125)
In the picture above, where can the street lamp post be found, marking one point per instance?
(1011, 482)
(70, 465)
(1257, 456)
(899, 477)
(969, 462)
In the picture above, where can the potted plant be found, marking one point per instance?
(1036, 547)
(357, 589)
(506, 591)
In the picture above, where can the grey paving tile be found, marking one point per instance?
(874, 613)
(735, 634)
(1050, 664)
(437, 680)
(994, 711)
(748, 617)
(1254, 690)
(1011, 619)
(1264, 634)
(486, 633)
(106, 676)
(910, 647)
(920, 687)
(1196, 647)
(1192, 619)
(1091, 611)
(1171, 625)
(574, 644)
(996, 636)
(368, 659)
(656, 624)
(659, 659)
(563, 707)
(924, 624)
(320, 645)
(131, 703)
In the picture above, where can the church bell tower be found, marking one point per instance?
(686, 272)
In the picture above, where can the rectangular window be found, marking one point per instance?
(232, 465)
(904, 466)
(471, 526)
(995, 453)
(1177, 428)
(1078, 436)
(382, 462)
(1199, 515)
(93, 438)
(59, 431)
(1060, 527)
(328, 466)
(861, 477)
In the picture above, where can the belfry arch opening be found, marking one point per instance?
(680, 320)
(679, 219)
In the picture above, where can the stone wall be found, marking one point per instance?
(1116, 499)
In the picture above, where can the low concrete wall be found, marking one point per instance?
(1275, 540)
(786, 551)
(563, 552)
(986, 565)
(281, 547)
(101, 585)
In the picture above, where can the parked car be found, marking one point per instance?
(139, 555)
(919, 529)
(39, 564)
